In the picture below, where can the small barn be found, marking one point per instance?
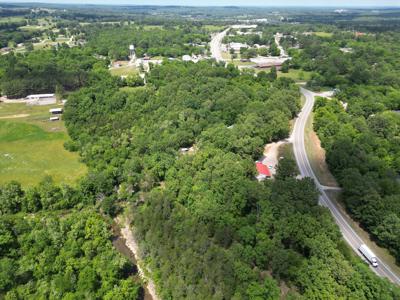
(56, 111)
(263, 171)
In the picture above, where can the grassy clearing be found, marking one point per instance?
(124, 70)
(323, 34)
(152, 27)
(286, 150)
(243, 63)
(131, 88)
(296, 75)
(43, 45)
(62, 40)
(31, 147)
(11, 19)
(37, 115)
(383, 253)
(316, 155)
(226, 55)
(34, 28)
(302, 100)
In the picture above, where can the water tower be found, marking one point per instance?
(132, 53)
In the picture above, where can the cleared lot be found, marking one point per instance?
(31, 147)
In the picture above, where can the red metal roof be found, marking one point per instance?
(263, 169)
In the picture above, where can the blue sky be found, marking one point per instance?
(335, 3)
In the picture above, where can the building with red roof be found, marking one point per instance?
(263, 171)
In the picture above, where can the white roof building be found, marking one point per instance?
(192, 58)
(56, 110)
(244, 26)
(39, 96)
(237, 46)
(186, 58)
(346, 50)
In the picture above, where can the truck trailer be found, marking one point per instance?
(369, 255)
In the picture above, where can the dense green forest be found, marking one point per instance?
(54, 244)
(372, 60)
(114, 41)
(207, 229)
(44, 71)
(10, 32)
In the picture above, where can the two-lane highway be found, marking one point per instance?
(215, 45)
(352, 238)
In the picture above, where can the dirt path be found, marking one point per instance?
(15, 116)
(133, 246)
(270, 158)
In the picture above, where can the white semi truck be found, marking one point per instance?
(369, 255)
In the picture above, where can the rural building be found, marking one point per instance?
(54, 118)
(186, 57)
(263, 171)
(346, 50)
(192, 58)
(236, 46)
(269, 65)
(269, 62)
(56, 111)
(244, 26)
(40, 97)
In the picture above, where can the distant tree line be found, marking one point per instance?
(113, 41)
(42, 71)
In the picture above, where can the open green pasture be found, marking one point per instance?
(31, 147)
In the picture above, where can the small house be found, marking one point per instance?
(263, 171)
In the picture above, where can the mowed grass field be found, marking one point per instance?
(11, 19)
(323, 34)
(31, 147)
(296, 75)
(124, 70)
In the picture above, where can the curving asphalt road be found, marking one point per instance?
(297, 138)
(352, 238)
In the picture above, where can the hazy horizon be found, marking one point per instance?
(263, 3)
